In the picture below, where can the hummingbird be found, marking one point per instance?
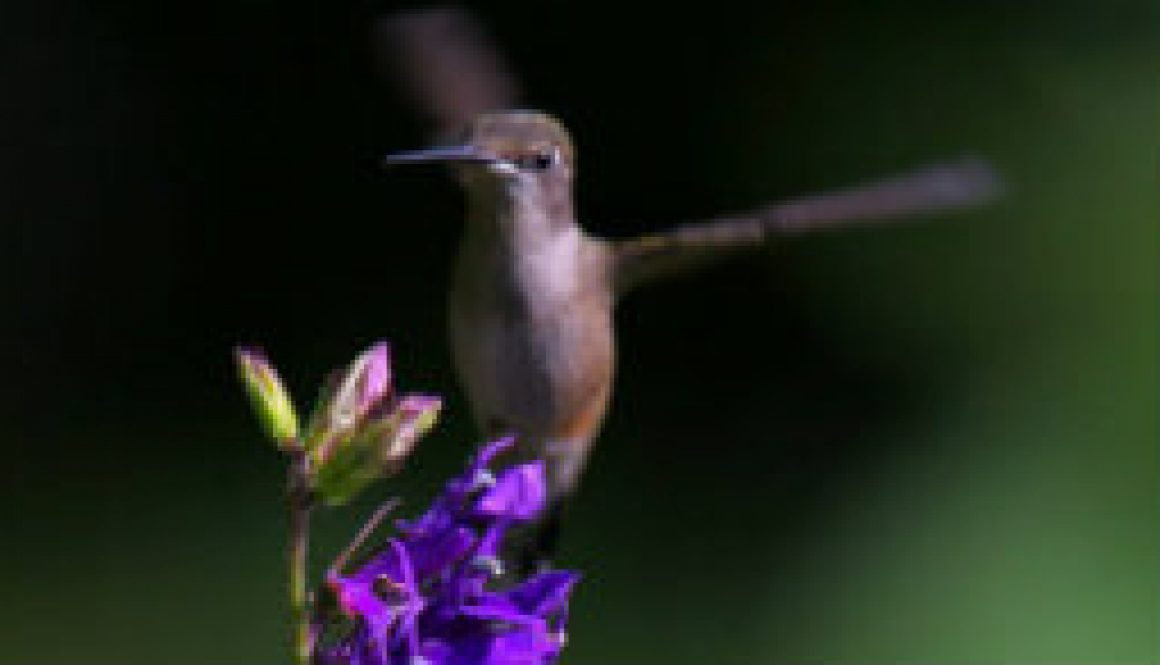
(533, 293)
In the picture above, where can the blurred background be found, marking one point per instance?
(918, 443)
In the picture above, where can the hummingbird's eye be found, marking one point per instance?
(538, 161)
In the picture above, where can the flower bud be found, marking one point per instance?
(351, 399)
(269, 396)
(367, 384)
(413, 417)
(375, 450)
(361, 431)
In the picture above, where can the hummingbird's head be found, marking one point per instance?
(523, 153)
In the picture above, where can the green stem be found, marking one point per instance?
(300, 504)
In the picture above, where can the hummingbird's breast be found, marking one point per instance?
(532, 337)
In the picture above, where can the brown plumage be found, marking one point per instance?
(530, 312)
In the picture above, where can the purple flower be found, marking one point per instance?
(430, 595)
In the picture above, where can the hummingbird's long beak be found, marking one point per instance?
(454, 154)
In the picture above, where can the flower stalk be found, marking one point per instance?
(300, 503)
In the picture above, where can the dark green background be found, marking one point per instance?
(926, 443)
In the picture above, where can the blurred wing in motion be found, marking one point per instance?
(938, 188)
(445, 64)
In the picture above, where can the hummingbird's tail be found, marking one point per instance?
(536, 550)
(566, 462)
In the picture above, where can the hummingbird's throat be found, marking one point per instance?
(526, 209)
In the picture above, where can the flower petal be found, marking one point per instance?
(545, 593)
(519, 493)
(356, 596)
(438, 551)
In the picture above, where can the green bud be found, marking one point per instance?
(376, 450)
(269, 396)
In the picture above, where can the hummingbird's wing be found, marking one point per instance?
(445, 64)
(937, 188)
